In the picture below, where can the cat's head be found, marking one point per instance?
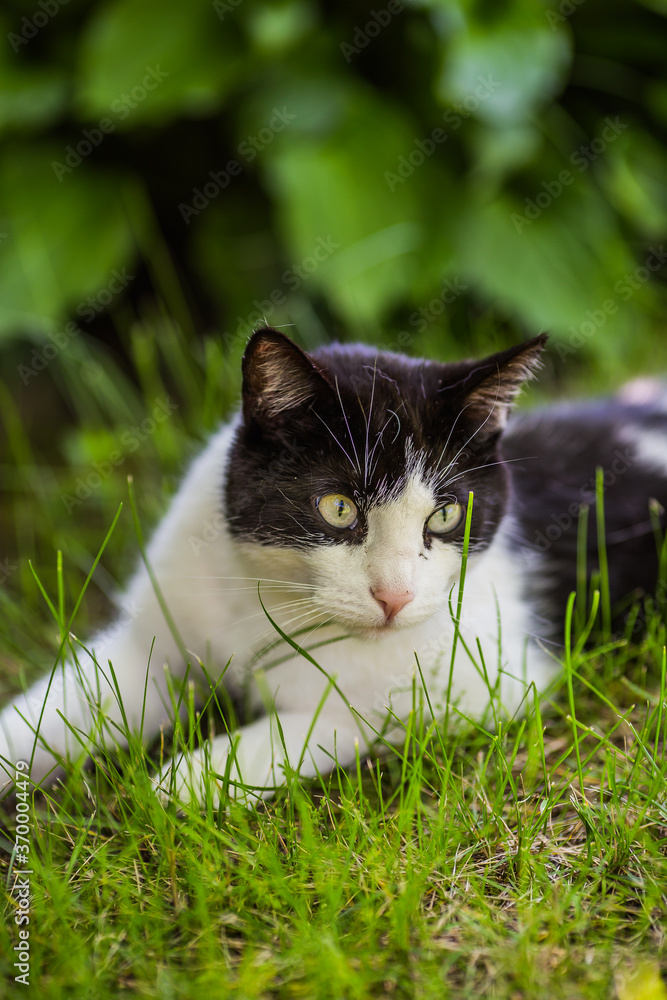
(352, 468)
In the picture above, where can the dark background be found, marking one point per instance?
(468, 174)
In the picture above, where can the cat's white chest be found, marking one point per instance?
(373, 675)
(213, 584)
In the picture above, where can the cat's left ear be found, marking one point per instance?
(279, 379)
(491, 387)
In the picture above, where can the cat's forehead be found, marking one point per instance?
(375, 453)
(380, 395)
(377, 430)
(366, 373)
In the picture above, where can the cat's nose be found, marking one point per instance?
(392, 602)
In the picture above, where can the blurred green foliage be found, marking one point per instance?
(421, 143)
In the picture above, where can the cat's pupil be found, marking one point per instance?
(337, 510)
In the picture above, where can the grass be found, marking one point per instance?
(524, 861)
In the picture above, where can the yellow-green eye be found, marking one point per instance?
(445, 519)
(337, 510)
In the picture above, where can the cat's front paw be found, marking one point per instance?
(191, 777)
(180, 780)
(213, 773)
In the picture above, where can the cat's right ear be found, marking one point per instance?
(280, 381)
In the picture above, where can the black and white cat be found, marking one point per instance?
(340, 492)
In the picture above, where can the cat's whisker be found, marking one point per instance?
(308, 534)
(272, 589)
(368, 424)
(213, 593)
(379, 441)
(331, 618)
(274, 611)
(449, 437)
(478, 468)
(253, 579)
(347, 424)
(289, 499)
(398, 421)
(271, 634)
(472, 436)
(265, 592)
(334, 438)
(313, 611)
(464, 446)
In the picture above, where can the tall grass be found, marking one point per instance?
(524, 859)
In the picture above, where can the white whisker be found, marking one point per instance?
(477, 468)
(274, 611)
(334, 438)
(349, 431)
(368, 423)
(254, 579)
(464, 446)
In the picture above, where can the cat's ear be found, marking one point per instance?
(279, 379)
(490, 388)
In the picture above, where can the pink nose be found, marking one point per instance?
(392, 602)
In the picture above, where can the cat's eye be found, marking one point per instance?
(445, 519)
(337, 510)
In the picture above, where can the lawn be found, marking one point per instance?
(524, 861)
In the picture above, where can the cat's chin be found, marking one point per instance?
(382, 631)
(379, 631)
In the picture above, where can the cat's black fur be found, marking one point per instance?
(541, 470)
(554, 455)
(359, 395)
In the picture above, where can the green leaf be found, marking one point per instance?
(503, 73)
(634, 179)
(30, 98)
(63, 239)
(276, 28)
(557, 270)
(152, 60)
(334, 189)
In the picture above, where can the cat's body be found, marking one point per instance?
(341, 490)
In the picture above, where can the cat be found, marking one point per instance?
(336, 502)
